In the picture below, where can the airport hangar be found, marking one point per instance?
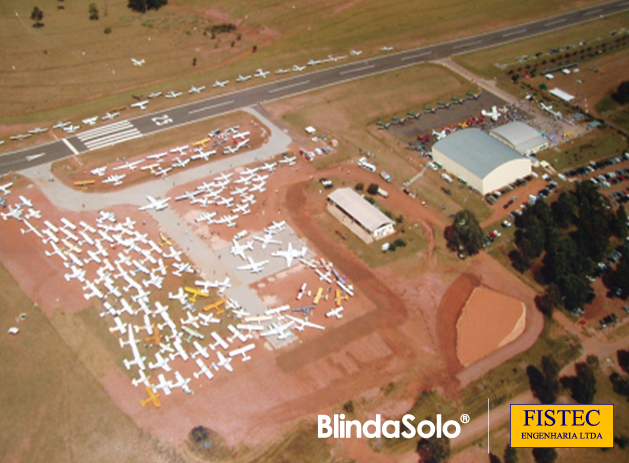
(480, 160)
(521, 137)
(361, 213)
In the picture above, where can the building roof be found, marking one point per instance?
(559, 93)
(359, 209)
(476, 151)
(521, 136)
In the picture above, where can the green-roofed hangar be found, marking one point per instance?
(485, 163)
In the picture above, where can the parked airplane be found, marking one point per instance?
(173, 94)
(239, 249)
(266, 240)
(129, 165)
(195, 293)
(178, 162)
(115, 179)
(153, 397)
(203, 155)
(5, 188)
(387, 49)
(203, 370)
(139, 104)
(138, 360)
(304, 323)
(163, 384)
(282, 71)
(243, 351)
(298, 68)
(61, 125)
(90, 120)
(280, 330)
(242, 78)
(154, 94)
(254, 267)
(261, 73)
(137, 62)
(440, 135)
(194, 89)
(290, 254)
(200, 350)
(494, 114)
(355, 52)
(219, 342)
(218, 83)
(223, 362)
(110, 116)
(157, 204)
(160, 362)
(290, 160)
(335, 312)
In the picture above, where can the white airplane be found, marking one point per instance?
(160, 362)
(5, 188)
(277, 311)
(157, 156)
(254, 267)
(157, 204)
(137, 62)
(174, 254)
(298, 68)
(139, 104)
(242, 209)
(222, 285)
(269, 166)
(37, 130)
(237, 334)
(110, 116)
(243, 351)
(250, 327)
(355, 52)
(282, 71)
(206, 217)
(31, 228)
(71, 128)
(290, 254)
(219, 342)
(25, 202)
(180, 351)
(261, 73)
(173, 94)
(223, 362)
(194, 89)
(181, 268)
(115, 179)
(239, 191)
(242, 78)
(180, 295)
(142, 379)
(164, 385)
(161, 172)
(21, 136)
(178, 162)
(180, 149)
(266, 240)
(138, 360)
(280, 330)
(218, 83)
(224, 201)
(129, 165)
(239, 249)
(202, 351)
(386, 49)
(203, 370)
(154, 94)
(191, 320)
(207, 319)
(203, 155)
(90, 120)
(99, 171)
(61, 125)
(304, 323)
(493, 114)
(155, 280)
(314, 62)
(105, 216)
(121, 327)
(335, 312)
(290, 160)
(440, 135)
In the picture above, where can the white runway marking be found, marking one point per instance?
(70, 145)
(357, 69)
(509, 34)
(416, 56)
(467, 44)
(218, 105)
(289, 86)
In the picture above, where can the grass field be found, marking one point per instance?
(49, 72)
(493, 62)
(53, 410)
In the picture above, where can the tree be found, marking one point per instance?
(564, 210)
(200, 434)
(583, 385)
(623, 359)
(545, 455)
(618, 278)
(511, 455)
(37, 15)
(359, 186)
(545, 383)
(465, 234)
(434, 450)
(618, 223)
(142, 6)
(373, 188)
(93, 11)
(493, 458)
(622, 94)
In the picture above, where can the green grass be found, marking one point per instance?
(598, 144)
(495, 61)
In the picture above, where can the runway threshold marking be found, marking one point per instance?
(349, 71)
(289, 86)
(416, 55)
(218, 105)
(70, 145)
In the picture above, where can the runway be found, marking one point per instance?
(119, 132)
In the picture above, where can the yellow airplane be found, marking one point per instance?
(156, 337)
(152, 398)
(165, 240)
(340, 297)
(195, 293)
(84, 183)
(202, 142)
(215, 306)
(319, 296)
